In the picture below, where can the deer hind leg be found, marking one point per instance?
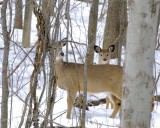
(117, 105)
(112, 105)
(70, 101)
(115, 110)
(109, 102)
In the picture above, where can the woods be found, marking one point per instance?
(70, 63)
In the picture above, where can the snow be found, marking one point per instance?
(98, 116)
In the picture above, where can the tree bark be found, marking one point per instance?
(138, 70)
(52, 77)
(92, 30)
(123, 26)
(27, 24)
(112, 25)
(48, 5)
(5, 90)
(67, 10)
(18, 14)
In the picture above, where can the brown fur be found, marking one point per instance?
(104, 54)
(100, 78)
(104, 58)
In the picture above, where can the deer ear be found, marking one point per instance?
(97, 49)
(111, 48)
(63, 44)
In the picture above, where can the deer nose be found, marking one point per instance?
(104, 59)
(61, 53)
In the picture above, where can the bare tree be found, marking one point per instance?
(27, 24)
(123, 26)
(51, 89)
(18, 14)
(67, 16)
(138, 69)
(112, 25)
(48, 5)
(5, 83)
(92, 30)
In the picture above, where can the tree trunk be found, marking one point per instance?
(52, 78)
(27, 24)
(50, 99)
(48, 5)
(5, 91)
(92, 29)
(18, 14)
(112, 27)
(138, 70)
(67, 10)
(123, 26)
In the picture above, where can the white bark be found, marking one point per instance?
(138, 70)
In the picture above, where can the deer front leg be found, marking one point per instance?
(70, 101)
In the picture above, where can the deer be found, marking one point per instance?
(104, 58)
(100, 78)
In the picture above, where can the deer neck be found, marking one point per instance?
(59, 65)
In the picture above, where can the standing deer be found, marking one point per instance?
(100, 78)
(104, 58)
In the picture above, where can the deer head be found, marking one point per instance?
(104, 54)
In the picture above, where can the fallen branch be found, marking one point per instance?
(79, 101)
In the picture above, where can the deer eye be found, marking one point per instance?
(107, 54)
(61, 53)
(101, 54)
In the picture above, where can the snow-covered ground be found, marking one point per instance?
(97, 117)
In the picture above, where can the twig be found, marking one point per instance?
(103, 124)
(21, 61)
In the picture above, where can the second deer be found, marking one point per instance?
(104, 58)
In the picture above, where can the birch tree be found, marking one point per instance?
(138, 69)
